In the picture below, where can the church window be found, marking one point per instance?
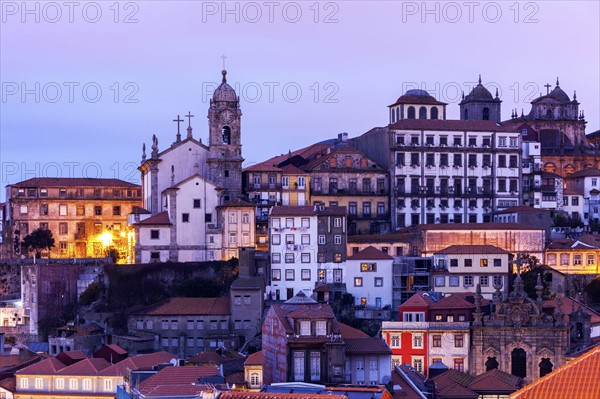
(549, 114)
(185, 217)
(197, 203)
(226, 135)
(434, 113)
(545, 367)
(519, 363)
(226, 173)
(154, 234)
(411, 112)
(491, 364)
(422, 113)
(486, 114)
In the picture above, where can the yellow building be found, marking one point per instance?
(574, 257)
(237, 221)
(86, 216)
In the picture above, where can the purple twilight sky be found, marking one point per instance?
(84, 84)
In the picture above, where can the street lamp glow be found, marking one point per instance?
(106, 238)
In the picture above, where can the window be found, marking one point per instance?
(337, 275)
(417, 341)
(453, 281)
(39, 383)
(484, 281)
(24, 383)
(289, 238)
(440, 281)
(154, 234)
(304, 327)
(468, 281)
(289, 274)
(437, 341)
(459, 340)
(483, 262)
(197, 203)
(321, 327)
(63, 228)
(366, 208)
(87, 384)
(43, 209)
(117, 210)
(305, 274)
(305, 257)
(289, 223)
(108, 385)
(276, 239)
(378, 281)
(232, 238)
(276, 274)
(60, 383)
(368, 267)
(497, 262)
(275, 258)
(322, 240)
(468, 262)
(498, 281)
(337, 222)
(453, 262)
(185, 217)
(233, 218)
(72, 383)
(459, 365)
(590, 259)
(417, 363)
(358, 282)
(395, 341)
(289, 258)
(305, 239)
(413, 316)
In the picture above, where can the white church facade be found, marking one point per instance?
(187, 186)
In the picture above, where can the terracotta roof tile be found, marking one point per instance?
(277, 395)
(177, 379)
(584, 173)
(118, 350)
(370, 253)
(139, 362)
(366, 345)
(207, 358)
(254, 359)
(579, 379)
(452, 302)
(420, 299)
(560, 243)
(73, 182)
(9, 384)
(191, 306)
(495, 381)
(568, 304)
(351, 332)
(161, 218)
(471, 249)
(448, 124)
(85, 367)
(520, 208)
(47, 366)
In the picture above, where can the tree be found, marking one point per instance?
(531, 269)
(38, 240)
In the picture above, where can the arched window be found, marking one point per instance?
(434, 113)
(411, 112)
(466, 114)
(422, 113)
(569, 169)
(519, 363)
(254, 379)
(549, 114)
(491, 364)
(226, 132)
(393, 116)
(486, 114)
(545, 367)
(397, 113)
(549, 167)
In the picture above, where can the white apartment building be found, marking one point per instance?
(368, 277)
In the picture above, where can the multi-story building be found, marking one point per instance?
(85, 215)
(581, 256)
(445, 171)
(368, 277)
(431, 328)
(186, 326)
(307, 244)
(461, 268)
(586, 183)
(393, 244)
(346, 177)
(236, 219)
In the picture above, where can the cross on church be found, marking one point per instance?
(189, 116)
(547, 86)
(223, 57)
(178, 120)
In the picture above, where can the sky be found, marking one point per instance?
(84, 83)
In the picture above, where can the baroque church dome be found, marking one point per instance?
(224, 92)
(479, 93)
(560, 95)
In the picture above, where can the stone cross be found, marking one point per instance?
(223, 57)
(547, 86)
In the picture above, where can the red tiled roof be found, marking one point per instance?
(568, 304)
(560, 243)
(47, 366)
(117, 349)
(370, 253)
(271, 165)
(191, 306)
(85, 367)
(70, 357)
(419, 299)
(407, 99)
(521, 208)
(495, 381)
(568, 191)
(579, 379)
(471, 250)
(292, 170)
(584, 173)
(276, 395)
(286, 311)
(452, 302)
(161, 218)
(179, 380)
(73, 182)
(254, 359)
(207, 358)
(312, 312)
(409, 389)
(9, 384)
(139, 362)
(450, 124)
(348, 332)
(366, 345)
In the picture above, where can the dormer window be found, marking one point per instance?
(305, 328)
(321, 327)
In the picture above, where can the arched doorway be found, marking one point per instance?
(545, 366)
(491, 364)
(518, 362)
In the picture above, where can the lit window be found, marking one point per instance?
(358, 282)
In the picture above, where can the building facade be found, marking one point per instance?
(85, 215)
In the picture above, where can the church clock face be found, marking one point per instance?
(226, 116)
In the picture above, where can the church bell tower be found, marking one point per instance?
(225, 144)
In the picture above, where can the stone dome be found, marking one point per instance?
(417, 93)
(224, 92)
(560, 95)
(479, 93)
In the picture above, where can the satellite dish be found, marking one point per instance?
(173, 362)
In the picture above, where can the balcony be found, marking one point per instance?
(349, 191)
